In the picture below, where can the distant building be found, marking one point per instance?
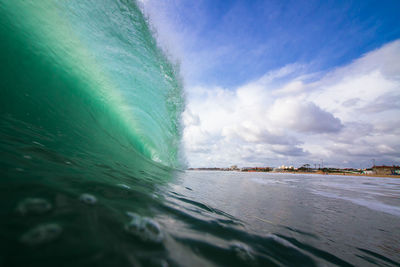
(369, 172)
(386, 170)
(233, 168)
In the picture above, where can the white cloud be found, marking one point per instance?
(347, 116)
(302, 116)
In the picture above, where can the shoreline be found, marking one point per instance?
(315, 173)
(345, 174)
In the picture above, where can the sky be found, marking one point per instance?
(270, 83)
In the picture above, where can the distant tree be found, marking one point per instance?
(305, 167)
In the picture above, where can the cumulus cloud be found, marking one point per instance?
(303, 116)
(345, 116)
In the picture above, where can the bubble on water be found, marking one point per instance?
(41, 234)
(152, 230)
(34, 206)
(242, 251)
(144, 228)
(124, 186)
(88, 199)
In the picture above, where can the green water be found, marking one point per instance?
(88, 105)
(91, 77)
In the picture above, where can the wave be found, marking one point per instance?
(89, 128)
(86, 83)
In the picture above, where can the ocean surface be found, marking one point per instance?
(273, 219)
(201, 218)
(90, 162)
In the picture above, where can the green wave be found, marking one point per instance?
(86, 80)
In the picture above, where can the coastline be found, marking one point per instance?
(344, 174)
(312, 173)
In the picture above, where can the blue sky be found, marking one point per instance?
(240, 40)
(286, 82)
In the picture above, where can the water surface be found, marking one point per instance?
(294, 219)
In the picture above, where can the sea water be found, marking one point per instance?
(202, 218)
(268, 219)
(91, 169)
